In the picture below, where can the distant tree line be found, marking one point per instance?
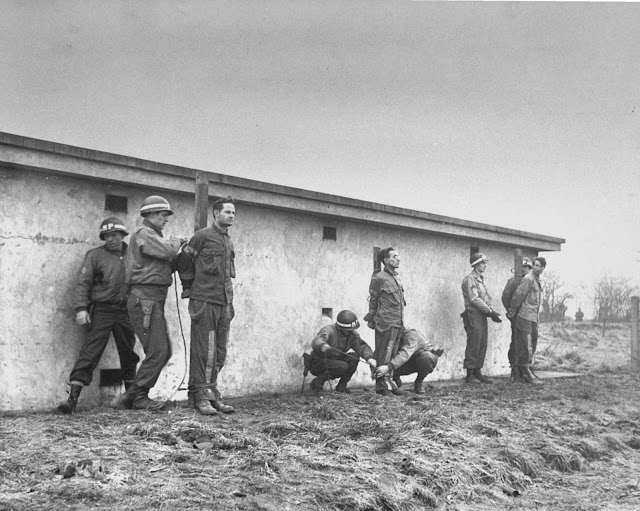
(612, 298)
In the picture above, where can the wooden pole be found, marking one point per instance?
(202, 200)
(517, 262)
(635, 347)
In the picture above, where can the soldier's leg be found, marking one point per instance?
(125, 339)
(425, 364)
(93, 348)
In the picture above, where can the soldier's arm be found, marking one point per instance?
(520, 294)
(82, 295)
(474, 297)
(159, 247)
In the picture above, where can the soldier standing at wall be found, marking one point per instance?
(477, 305)
(386, 311)
(507, 294)
(149, 265)
(206, 266)
(525, 309)
(100, 305)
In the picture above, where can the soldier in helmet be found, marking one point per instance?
(100, 306)
(477, 305)
(206, 266)
(337, 350)
(149, 267)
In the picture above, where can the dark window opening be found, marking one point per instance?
(110, 377)
(376, 263)
(116, 203)
(328, 312)
(329, 233)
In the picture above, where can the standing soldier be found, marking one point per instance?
(386, 311)
(149, 265)
(206, 268)
(477, 305)
(100, 305)
(507, 294)
(525, 309)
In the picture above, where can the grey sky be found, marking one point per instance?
(517, 114)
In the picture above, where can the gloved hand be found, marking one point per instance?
(495, 317)
(438, 352)
(371, 325)
(83, 318)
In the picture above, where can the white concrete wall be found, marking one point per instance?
(286, 274)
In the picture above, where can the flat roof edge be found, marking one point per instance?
(186, 172)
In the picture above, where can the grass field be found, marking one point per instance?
(569, 443)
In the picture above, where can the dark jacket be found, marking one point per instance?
(412, 342)
(342, 341)
(386, 300)
(509, 289)
(211, 266)
(475, 294)
(101, 278)
(150, 257)
(527, 298)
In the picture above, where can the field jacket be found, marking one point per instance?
(211, 267)
(386, 300)
(475, 294)
(509, 289)
(412, 342)
(150, 257)
(101, 278)
(527, 298)
(340, 340)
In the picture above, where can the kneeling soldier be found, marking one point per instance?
(416, 355)
(331, 357)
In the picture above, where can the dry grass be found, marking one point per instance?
(572, 443)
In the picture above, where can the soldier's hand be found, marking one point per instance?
(83, 318)
(511, 314)
(495, 317)
(372, 362)
(381, 371)
(371, 325)
(324, 348)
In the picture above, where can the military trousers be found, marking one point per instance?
(475, 325)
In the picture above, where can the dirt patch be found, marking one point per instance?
(570, 443)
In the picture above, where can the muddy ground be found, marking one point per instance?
(570, 443)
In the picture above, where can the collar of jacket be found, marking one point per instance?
(392, 272)
(221, 231)
(149, 224)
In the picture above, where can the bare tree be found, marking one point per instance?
(554, 301)
(612, 299)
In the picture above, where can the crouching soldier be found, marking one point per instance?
(100, 305)
(337, 349)
(416, 355)
(149, 266)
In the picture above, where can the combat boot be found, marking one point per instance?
(144, 402)
(67, 407)
(201, 403)
(397, 380)
(125, 400)
(317, 385)
(481, 378)
(471, 377)
(417, 386)
(342, 386)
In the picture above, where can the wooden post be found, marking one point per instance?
(517, 262)
(202, 200)
(635, 347)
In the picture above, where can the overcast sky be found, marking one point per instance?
(524, 115)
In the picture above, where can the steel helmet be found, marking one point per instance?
(155, 203)
(478, 257)
(347, 320)
(112, 224)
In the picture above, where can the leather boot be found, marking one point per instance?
(397, 380)
(67, 407)
(342, 386)
(201, 403)
(481, 378)
(144, 402)
(471, 377)
(317, 385)
(417, 386)
(125, 400)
